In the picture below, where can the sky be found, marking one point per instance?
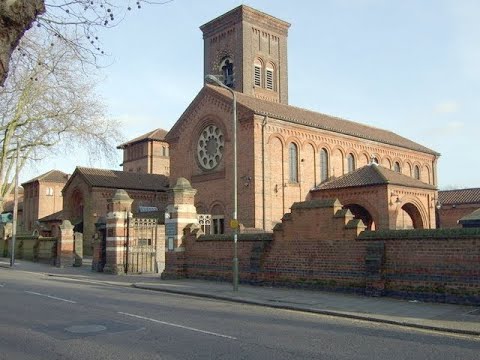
(408, 66)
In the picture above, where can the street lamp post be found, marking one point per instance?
(234, 222)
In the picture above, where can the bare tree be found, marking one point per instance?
(49, 106)
(76, 22)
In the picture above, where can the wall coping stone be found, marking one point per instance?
(421, 234)
(241, 237)
(314, 204)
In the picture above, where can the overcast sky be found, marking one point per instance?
(408, 66)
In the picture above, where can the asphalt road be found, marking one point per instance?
(57, 318)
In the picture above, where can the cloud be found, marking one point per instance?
(446, 107)
(448, 129)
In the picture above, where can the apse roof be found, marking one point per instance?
(370, 175)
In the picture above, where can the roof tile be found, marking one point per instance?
(320, 121)
(51, 176)
(156, 135)
(123, 180)
(372, 175)
(459, 196)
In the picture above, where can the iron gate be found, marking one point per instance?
(141, 246)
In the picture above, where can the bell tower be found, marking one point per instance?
(248, 49)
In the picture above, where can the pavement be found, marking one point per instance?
(459, 319)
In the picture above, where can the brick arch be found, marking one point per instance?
(337, 161)
(354, 154)
(414, 165)
(306, 143)
(416, 210)
(260, 60)
(407, 168)
(324, 171)
(295, 140)
(278, 137)
(363, 159)
(77, 208)
(217, 208)
(426, 174)
(386, 161)
(347, 202)
(351, 151)
(399, 161)
(201, 208)
(323, 145)
(309, 164)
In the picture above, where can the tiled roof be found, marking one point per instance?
(472, 217)
(122, 179)
(372, 175)
(319, 120)
(51, 176)
(156, 135)
(52, 217)
(460, 196)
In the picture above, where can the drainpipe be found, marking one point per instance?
(264, 211)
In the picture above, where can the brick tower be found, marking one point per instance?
(248, 49)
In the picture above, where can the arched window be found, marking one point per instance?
(323, 165)
(416, 172)
(351, 162)
(257, 72)
(270, 77)
(293, 158)
(218, 220)
(396, 167)
(227, 71)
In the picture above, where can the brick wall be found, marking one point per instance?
(200, 263)
(450, 214)
(433, 265)
(321, 245)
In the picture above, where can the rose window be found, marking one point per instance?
(210, 147)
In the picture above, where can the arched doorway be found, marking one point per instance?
(77, 206)
(409, 217)
(359, 212)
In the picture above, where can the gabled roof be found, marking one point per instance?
(55, 176)
(471, 218)
(52, 217)
(288, 113)
(459, 196)
(121, 179)
(370, 175)
(154, 135)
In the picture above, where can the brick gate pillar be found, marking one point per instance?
(65, 245)
(119, 210)
(179, 213)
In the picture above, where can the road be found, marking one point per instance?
(59, 318)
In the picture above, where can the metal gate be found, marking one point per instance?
(141, 246)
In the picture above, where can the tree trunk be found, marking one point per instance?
(16, 17)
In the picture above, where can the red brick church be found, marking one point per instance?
(285, 151)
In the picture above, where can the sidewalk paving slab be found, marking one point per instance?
(460, 319)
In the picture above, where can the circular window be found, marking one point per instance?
(210, 147)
